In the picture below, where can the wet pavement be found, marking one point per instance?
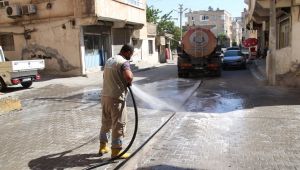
(232, 122)
(59, 124)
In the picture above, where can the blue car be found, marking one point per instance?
(233, 59)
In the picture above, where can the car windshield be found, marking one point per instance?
(232, 53)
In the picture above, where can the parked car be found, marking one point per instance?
(233, 48)
(245, 52)
(233, 58)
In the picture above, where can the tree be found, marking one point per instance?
(152, 14)
(234, 43)
(164, 24)
(223, 40)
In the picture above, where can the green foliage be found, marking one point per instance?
(152, 14)
(223, 40)
(234, 43)
(164, 24)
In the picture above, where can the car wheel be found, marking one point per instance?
(26, 84)
(244, 66)
(218, 73)
(2, 85)
(186, 75)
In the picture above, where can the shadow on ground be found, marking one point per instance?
(164, 167)
(61, 161)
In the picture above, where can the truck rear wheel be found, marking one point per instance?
(218, 73)
(26, 84)
(183, 75)
(180, 75)
(2, 85)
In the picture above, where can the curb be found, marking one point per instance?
(8, 104)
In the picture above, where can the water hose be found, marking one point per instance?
(131, 141)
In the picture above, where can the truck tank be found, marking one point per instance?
(197, 53)
(199, 42)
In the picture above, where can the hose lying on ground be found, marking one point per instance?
(130, 143)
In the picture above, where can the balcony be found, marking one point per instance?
(151, 29)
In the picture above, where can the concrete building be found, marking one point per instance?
(281, 37)
(236, 30)
(73, 36)
(149, 55)
(220, 21)
(244, 24)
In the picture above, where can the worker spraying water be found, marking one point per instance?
(117, 81)
(117, 77)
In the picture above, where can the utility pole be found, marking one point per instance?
(271, 60)
(180, 18)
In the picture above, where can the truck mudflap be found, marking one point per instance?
(211, 70)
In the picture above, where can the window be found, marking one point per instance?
(150, 46)
(91, 43)
(136, 3)
(204, 18)
(7, 41)
(284, 33)
(223, 17)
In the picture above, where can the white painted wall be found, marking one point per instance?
(283, 60)
(287, 59)
(120, 11)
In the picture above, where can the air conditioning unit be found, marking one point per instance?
(28, 9)
(13, 11)
(4, 4)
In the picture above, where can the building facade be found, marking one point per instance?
(284, 62)
(220, 21)
(236, 30)
(73, 36)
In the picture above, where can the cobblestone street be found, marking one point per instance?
(173, 85)
(229, 126)
(222, 125)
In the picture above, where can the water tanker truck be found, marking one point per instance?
(198, 53)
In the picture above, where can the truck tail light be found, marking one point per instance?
(213, 65)
(15, 81)
(38, 77)
(186, 65)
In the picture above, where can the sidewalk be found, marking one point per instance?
(9, 101)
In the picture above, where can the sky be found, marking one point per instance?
(235, 7)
